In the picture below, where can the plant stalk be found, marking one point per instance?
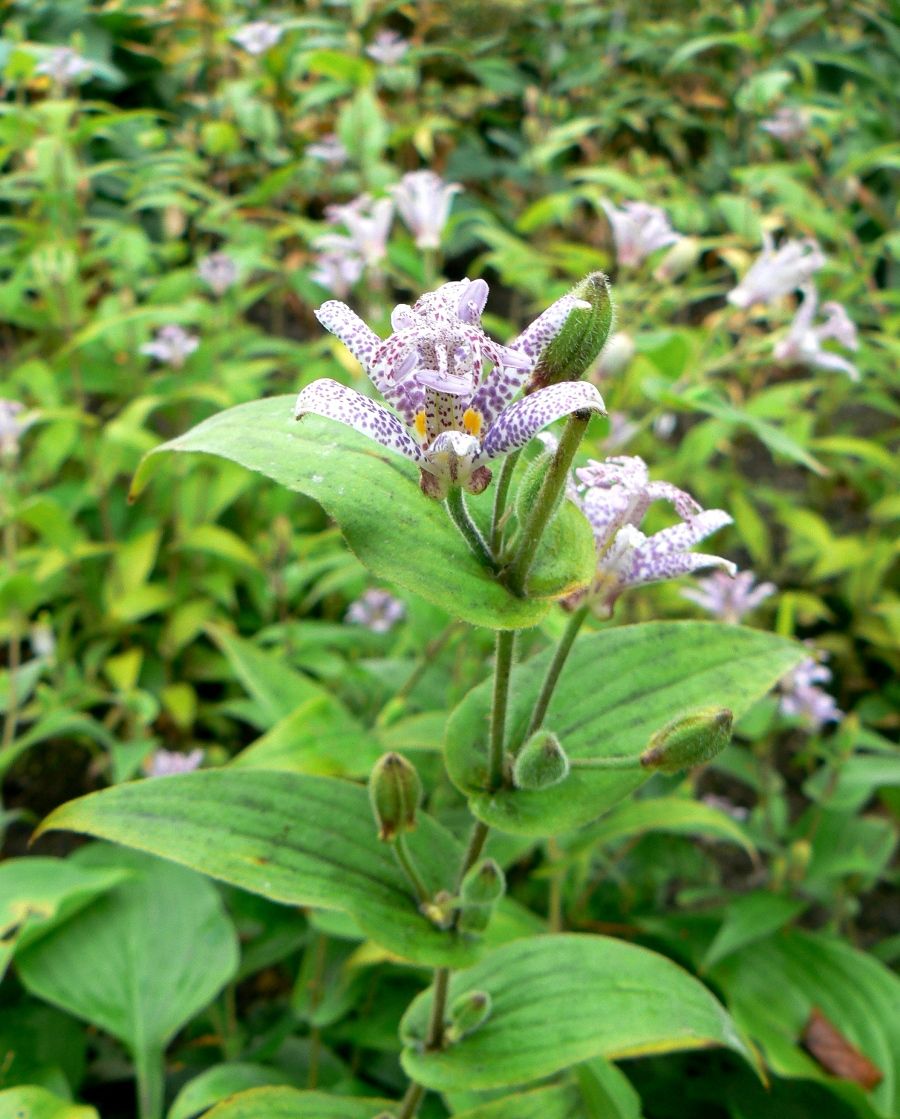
(500, 497)
(506, 640)
(455, 504)
(576, 621)
(407, 864)
(546, 502)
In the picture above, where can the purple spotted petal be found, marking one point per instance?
(392, 372)
(335, 401)
(521, 421)
(535, 338)
(345, 324)
(665, 555)
(472, 301)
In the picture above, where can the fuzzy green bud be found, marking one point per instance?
(467, 1013)
(532, 480)
(394, 793)
(541, 763)
(689, 740)
(573, 350)
(485, 884)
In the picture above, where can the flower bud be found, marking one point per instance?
(484, 884)
(617, 353)
(394, 793)
(582, 337)
(689, 740)
(541, 763)
(467, 1013)
(682, 256)
(532, 480)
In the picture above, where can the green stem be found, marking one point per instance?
(500, 495)
(405, 859)
(477, 840)
(506, 640)
(11, 717)
(632, 762)
(556, 666)
(546, 502)
(456, 507)
(414, 1096)
(148, 1067)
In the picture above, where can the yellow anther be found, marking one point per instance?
(420, 424)
(472, 421)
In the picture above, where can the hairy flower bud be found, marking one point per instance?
(467, 1013)
(581, 339)
(689, 740)
(394, 793)
(541, 763)
(484, 884)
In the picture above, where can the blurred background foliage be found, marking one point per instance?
(168, 623)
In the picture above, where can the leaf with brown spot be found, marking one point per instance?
(836, 1055)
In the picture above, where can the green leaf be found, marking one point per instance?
(772, 987)
(749, 919)
(214, 1084)
(38, 893)
(276, 688)
(559, 1000)
(675, 815)
(607, 1092)
(561, 1101)
(397, 532)
(288, 1103)
(37, 1103)
(293, 838)
(140, 962)
(616, 689)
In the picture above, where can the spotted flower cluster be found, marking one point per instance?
(388, 47)
(615, 495)
(729, 597)
(450, 385)
(787, 124)
(258, 37)
(638, 230)
(218, 271)
(803, 342)
(802, 698)
(167, 763)
(777, 272)
(172, 345)
(11, 427)
(64, 65)
(376, 610)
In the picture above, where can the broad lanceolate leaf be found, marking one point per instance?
(289, 1103)
(559, 1000)
(37, 1103)
(561, 1101)
(773, 987)
(220, 1081)
(293, 838)
(374, 496)
(616, 689)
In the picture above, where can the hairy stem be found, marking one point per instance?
(556, 666)
(502, 668)
(456, 507)
(405, 859)
(546, 501)
(500, 496)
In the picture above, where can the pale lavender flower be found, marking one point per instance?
(777, 272)
(258, 37)
(328, 149)
(802, 698)
(729, 597)
(803, 343)
(621, 431)
(664, 425)
(616, 355)
(63, 65)
(11, 427)
(337, 272)
(377, 610)
(218, 271)
(368, 222)
(43, 641)
(452, 415)
(615, 495)
(423, 200)
(788, 124)
(166, 763)
(388, 47)
(638, 230)
(172, 345)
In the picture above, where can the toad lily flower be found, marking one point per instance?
(614, 496)
(803, 343)
(777, 272)
(424, 199)
(729, 597)
(451, 418)
(638, 230)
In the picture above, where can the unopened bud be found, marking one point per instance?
(484, 884)
(532, 480)
(689, 740)
(467, 1013)
(682, 256)
(581, 339)
(617, 353)
(541, 763)
(394, 792)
